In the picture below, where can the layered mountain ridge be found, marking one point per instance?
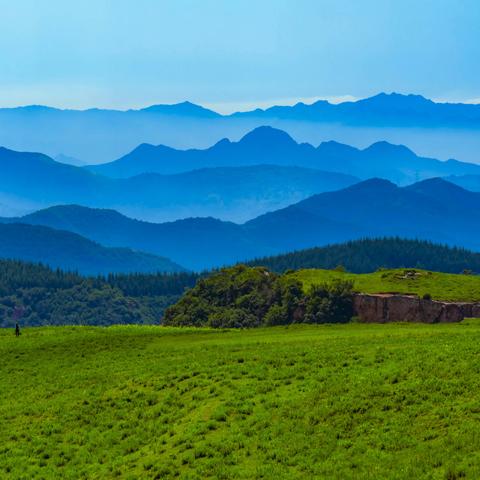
(441, 130)
(433, 209)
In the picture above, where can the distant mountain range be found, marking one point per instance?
(433, 210)
(380, 110)
(235, 181)
(267, 145)
(441, 130)
(69, 251)
(30, 181)
(200, 242)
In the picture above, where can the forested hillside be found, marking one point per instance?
(367, 255)
(242, 296)
(37, 295)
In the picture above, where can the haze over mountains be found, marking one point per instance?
(164, 208)
(267, 145)
(236, 181)
(432, 209)
(431, 129)
(69, 251)
(469, 182)
(31, 181)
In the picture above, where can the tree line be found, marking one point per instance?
(368, 255)
(55, 297)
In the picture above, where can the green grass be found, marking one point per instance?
(395, 401)
(441, 286)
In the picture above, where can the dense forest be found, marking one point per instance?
(368, 255)
(242, 296)
(37, 295)
(238, 296)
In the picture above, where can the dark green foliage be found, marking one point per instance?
(54, 297)
(232, 318)
(368, 255)
(140, 284)
(276, 315)
(238, 296)
(241, 296)
(330, 302)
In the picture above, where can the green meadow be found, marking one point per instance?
(441, 286)
(354, 401)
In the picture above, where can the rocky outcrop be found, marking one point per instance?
(471, 310)
(382, 308)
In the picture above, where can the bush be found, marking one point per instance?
(330, 303)
(277, 315)
(232, 318)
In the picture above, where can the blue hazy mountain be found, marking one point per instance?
(69, 160)
(69, 251)
(201, 242)
(96, 135)
(469, 182)
(433, 210)
(93, 136)
(263, 145)
(236, 193)
(184, 109)
(267, 145)
(380, 110)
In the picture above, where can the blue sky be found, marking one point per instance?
(235, 54)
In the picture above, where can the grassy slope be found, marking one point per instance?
(339, 402)
(441, 286)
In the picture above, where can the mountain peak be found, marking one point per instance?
(267, 136)
(437, 185)
(386, 148)
(183, 108)
(374, 185)
(396, 100)
(223, 143)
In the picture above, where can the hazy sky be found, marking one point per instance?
(235, 53)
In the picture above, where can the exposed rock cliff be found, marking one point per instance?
(384, 308)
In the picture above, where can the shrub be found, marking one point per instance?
(232, 318)
(330, 303)
(276, 315)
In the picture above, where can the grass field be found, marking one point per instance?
(336, 402)
(441, 286)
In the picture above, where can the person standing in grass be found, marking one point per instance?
(17, 315)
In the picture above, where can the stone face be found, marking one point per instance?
(471, 310)
(382, 308)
